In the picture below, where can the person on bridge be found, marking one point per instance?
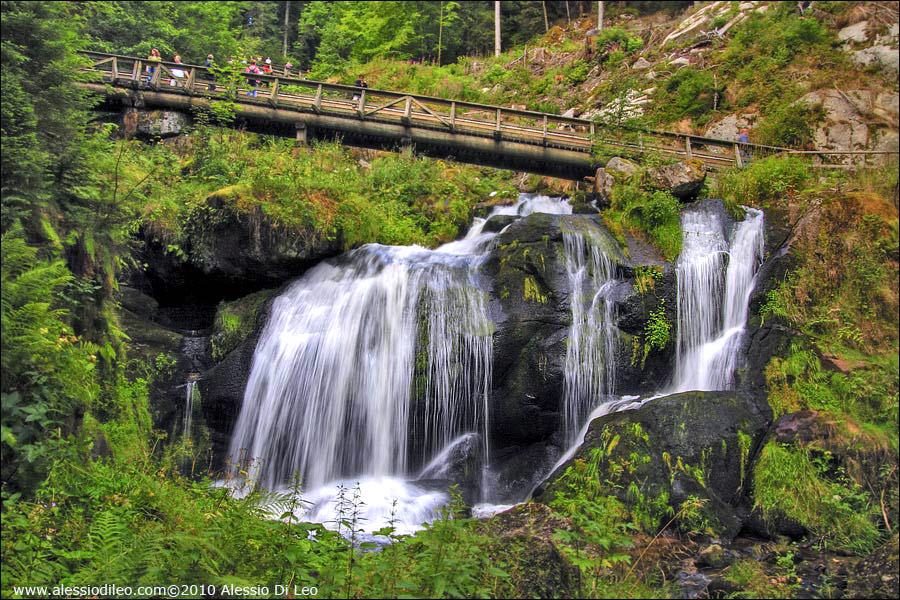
(360, 83)
(156, 58)
(209, 74)
(179, 73)
(253, 82)
(744, 138)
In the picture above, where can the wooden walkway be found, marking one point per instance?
(470, 132)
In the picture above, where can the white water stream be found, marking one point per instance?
(333, 396)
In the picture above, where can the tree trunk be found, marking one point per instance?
(600, 15)
(497, 28)
(546, 23)
(568, 16)
(287, 20)
(440, 32)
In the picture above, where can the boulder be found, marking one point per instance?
(460, 464)
(682, 179)
(885, 56)
(729, 127)
(497, 222)
(161, 123)
(603, 184)
(876, 575)
(680, 62)
(248, 248)
(641, 64)
(854, 33)
(524, 537)
(690, 445)
(138, 302)
(621, 167)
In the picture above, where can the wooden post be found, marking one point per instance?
(497, 129)
(737, 156)
(136, 71)
(687, 147)
(545, 130)
(273, 98)
(361, 109)
(407, 111)
(452, 115)
(115, 70)
(317, 103)
(190, 82)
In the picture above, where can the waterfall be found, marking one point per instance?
(713, 300)
(329, 394)
(369, 367)
(591, 347)
(190, 388)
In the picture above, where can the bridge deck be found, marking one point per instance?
(523, 137)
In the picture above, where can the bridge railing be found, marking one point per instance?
(469, 118)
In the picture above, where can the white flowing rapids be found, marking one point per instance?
(591, 346)
(367, 369)
(713, 301)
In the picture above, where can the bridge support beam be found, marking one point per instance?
(301, 139)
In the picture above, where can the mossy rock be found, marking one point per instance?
(693, 445)
(876, 576)
(523, 541)
(235, 321)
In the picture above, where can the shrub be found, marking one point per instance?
(790, 124)
(763, 181)
(689, 93)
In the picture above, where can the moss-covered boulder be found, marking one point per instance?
(688, 454)
(530, 310)
(876, 576)
(232, 240)
(235, 334)
(523, 541)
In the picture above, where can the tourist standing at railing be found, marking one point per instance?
(253, 82)
(209, 74)
(360, 83)
(287, 69)
(156, 58)
(175, 71)
(744, 138)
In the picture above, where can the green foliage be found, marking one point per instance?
(234, 322)
(793, 481)
(48, 373)
(620, 39)
(689, 93)
(763, 181)
(656, 331)
(653, 213)
(790, 125)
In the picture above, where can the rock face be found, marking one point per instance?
(683, 179)
(876, 575)
(248, 248)
(729, 127)
(699, 444)
(852, 119)
(161, 123)
(530, 309)
(885, 56)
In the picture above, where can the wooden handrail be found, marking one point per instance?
(500, 122)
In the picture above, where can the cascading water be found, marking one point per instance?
(712, 308)
(190, 390)
(368, 367)
(712, 302)
(591, 347)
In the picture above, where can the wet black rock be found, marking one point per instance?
(693, 444)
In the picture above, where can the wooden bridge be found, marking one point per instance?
(494, 136)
